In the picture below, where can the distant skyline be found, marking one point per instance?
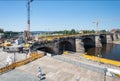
(55, 15)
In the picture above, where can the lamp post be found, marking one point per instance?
(105, 71)
(99, 54)
(14, 50)
(28, 20)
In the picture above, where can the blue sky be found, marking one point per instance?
(60, 15)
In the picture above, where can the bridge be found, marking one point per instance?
(76, 43)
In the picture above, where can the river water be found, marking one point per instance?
(109, 51)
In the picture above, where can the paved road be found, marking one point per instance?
(54, 70)
(16, 75)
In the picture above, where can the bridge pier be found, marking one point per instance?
(79, 46)
(56, 49)
(98, 41)
(118, 36)
(108, 39)
(115, 37)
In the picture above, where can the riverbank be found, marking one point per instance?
(116, 42)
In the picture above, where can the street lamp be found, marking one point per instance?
(28, 20)
(99, 54)
(105, 71)
(14, 51)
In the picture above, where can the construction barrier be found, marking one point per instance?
(103, 60)
(33, 56)
(7, 68)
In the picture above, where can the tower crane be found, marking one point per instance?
(28, 20)
(104, 20)
(96, 22)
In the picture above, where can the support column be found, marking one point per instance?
(114, 37)
(98, 41)
(108, 39)
(79, 45)
(118, 35)
(56, 48)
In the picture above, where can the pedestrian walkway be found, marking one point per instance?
(78, 57)
(54, 70)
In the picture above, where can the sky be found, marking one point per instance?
(56, 15)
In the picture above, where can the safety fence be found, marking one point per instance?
(33, 56)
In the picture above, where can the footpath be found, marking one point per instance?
(55, 69)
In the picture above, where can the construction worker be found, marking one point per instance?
(9, 60)
(39, 69)
(39, 75)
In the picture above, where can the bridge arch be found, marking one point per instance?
(88, 43)
(65, 46)
(46, 49)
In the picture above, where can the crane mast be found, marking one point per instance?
(28, 20)
(96, 22)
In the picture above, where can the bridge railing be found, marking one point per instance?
(50, 38)
(33, 56)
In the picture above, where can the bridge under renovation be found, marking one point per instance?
(76, 43)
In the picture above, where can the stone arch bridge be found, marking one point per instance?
(74, 43)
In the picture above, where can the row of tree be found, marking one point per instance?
(1, 30)
(8, 34)
(66, 32)
(73, 31)
(93, 31)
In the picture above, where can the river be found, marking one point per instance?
(109, 51)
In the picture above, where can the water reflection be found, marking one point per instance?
(110, 51)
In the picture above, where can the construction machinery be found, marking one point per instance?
(12, 46)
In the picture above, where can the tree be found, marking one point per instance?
(103, 31)
(72, 31)
(1, 30)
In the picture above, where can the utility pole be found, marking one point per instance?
(96, 22)
(28, 20)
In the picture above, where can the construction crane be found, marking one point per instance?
(104, 20)
(96, 22)
(28, 20)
